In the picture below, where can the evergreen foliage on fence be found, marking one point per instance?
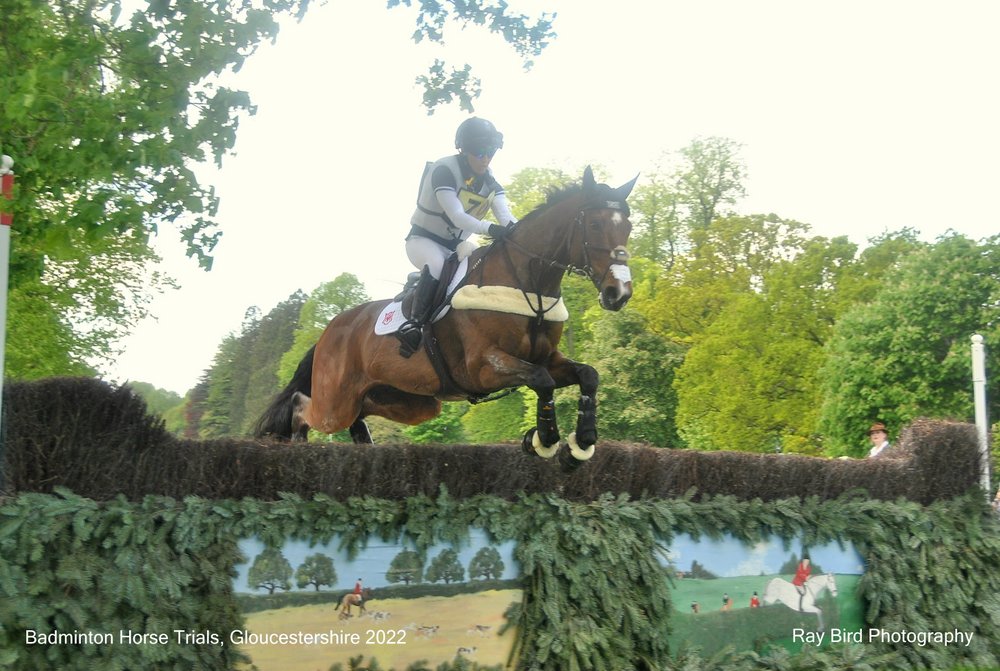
(594, 595)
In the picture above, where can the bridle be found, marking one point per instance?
(618, 267)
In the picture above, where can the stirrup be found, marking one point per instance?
(410, 334)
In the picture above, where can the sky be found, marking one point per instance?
(854, 117)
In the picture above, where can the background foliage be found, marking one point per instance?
(108, 107)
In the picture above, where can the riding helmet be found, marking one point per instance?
(476, 134)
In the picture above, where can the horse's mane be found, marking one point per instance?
(555, 196)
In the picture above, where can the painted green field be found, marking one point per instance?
(406, 635)
(746, 628)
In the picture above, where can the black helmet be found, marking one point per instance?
(477, 134)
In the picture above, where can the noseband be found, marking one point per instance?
(618, 268)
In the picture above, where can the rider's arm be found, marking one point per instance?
(501, 209)
(449, 202)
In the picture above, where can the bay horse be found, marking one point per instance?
(505, 336)
(352, 599)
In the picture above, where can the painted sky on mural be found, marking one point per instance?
(854, 117)
(372, 562)
(728, 557)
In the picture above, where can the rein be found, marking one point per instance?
(620, 256)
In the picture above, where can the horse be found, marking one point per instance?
(352, 599)
(782, 590)
(504, 335)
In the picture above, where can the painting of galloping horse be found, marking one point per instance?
(502, 331)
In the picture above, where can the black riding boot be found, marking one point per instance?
(410, 333)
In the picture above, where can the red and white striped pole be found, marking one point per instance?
(6, 220)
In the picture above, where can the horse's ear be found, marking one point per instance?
(625, 189)
(588, 179)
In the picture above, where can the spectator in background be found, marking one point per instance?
(879, 437)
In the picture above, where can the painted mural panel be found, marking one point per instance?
(312, 607)
(772, 593)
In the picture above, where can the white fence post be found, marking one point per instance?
(982, 416)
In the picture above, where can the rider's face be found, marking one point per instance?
(479, 161)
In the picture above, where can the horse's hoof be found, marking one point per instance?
(567, 464)
(579, 453)
(532, 444)
(526, 442)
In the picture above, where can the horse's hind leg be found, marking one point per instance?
(360, 433)
(400, 406)
(300, 404)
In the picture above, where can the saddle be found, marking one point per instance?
(448, 272)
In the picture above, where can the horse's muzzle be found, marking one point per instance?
(615, 294)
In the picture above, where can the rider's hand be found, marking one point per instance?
(498, 232)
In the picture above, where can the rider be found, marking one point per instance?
(802, 572)
(455, 194)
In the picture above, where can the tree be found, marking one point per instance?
(317, 570)
(445, 428)
(496, 420)
(270, 571)
(243, 375)
(728, 258)
(711, 178)
(700, 572)
(906, 354)
(658, 233)
(157, 400)
(445, 567)
(273, 337)
(406, 567)
(194, 408)
(486, 564)
(750, 382)
(636, 398)
(106, 114)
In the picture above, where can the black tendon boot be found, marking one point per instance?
(410, 332)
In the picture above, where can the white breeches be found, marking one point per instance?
(425, 252)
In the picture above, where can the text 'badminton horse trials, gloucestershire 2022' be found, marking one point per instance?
(500, 329)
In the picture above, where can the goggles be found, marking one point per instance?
(482, 152)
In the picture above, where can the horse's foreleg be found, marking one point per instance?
(543, 440)
(586, 416)
(566, 372)
(503, 370)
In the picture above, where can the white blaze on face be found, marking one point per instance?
(617, 218)
(621, 272)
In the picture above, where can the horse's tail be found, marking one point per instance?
(276, 421)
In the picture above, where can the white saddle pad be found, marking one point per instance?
(471, 297)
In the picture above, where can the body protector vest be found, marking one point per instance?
(475, 201)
